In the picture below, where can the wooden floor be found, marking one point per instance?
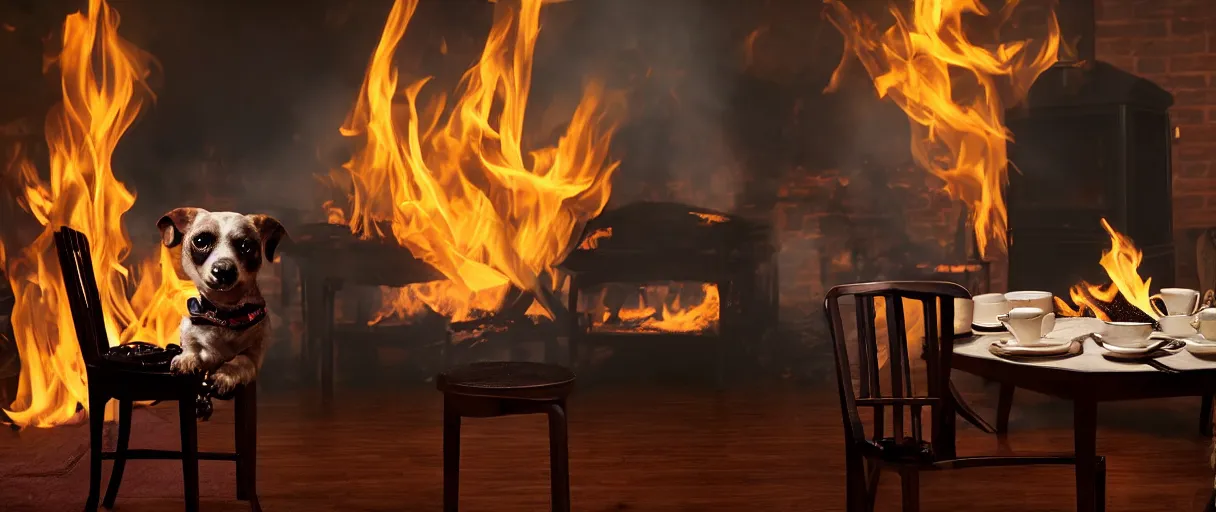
(640, 449)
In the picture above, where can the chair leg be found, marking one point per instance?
(872, 478)
(910, 483)
(559, 458)
(1100, 484)
(856, 491)
(1205, 416)
(1004, 405)
(189, 428)
(247, 445)
(97, 420)
(120, 452)
(451, 458)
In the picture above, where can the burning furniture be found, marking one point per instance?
(727, 259)
(329, 258)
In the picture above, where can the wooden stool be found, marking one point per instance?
(486, 390)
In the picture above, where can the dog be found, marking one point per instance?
(224, 332)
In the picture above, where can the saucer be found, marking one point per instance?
(987, 327)
(1042, 347)
(1199, 346)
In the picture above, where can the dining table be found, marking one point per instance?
(1086, 378)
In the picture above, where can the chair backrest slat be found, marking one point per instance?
(937, 303)
(76, 266)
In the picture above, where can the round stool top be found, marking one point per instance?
(508, 379)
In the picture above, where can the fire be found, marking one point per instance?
(103, 91)
(1121, 263)
(682, 311)
(914, 321)
(948, 87)
(456, 183)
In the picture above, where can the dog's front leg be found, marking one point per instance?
(188, 361)
(242, 369)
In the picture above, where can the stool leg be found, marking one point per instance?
(247, 444)
(120, 457)
(559, 458)
(189, 427)
(97, 419)
(451, 458)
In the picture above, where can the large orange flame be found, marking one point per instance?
(457, 184)
(949, 87)
(1121, 263)
(103, 91)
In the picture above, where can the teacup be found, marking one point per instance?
(1127, 334)
(1206, 323)
(1026, 324)
(1035, 299)
(1178, 301)
(1178, 325)
(985, 308)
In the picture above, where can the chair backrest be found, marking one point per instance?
(76, 265)
(937, 302)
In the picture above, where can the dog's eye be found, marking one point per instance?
(247, 246)
(203, 240)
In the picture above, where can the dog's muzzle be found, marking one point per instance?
(224, 274)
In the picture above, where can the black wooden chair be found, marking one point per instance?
(109, 379)
(907, 453)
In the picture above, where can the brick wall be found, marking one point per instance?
(1173, 43)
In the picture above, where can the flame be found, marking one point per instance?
(948, 87)
(914, 321)
(709, 219)
(103, 90)
(457, 184)
(681, 311)
(593, 240)
(1121, 263)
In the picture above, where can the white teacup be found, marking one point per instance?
(1206, 323)
(985, 308)
(1178, 301)
(1035, 299)
(1178, 325)
(1127, 334)
(1026, 324)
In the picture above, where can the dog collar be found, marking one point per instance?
(204, 312)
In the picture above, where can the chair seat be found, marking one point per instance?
(905, 451)
(508, 380)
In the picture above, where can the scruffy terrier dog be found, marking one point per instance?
(222, 253)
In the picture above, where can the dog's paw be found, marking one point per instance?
(225, 382)
(185, 363)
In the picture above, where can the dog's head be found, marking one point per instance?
(222, 251)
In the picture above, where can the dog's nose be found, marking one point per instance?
(224, 272)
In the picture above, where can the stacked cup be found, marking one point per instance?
(1181, 307)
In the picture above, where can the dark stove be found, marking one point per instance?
(1093, 143)
(659, 242)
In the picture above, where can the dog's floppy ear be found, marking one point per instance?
(173, 225)
(270, 231)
